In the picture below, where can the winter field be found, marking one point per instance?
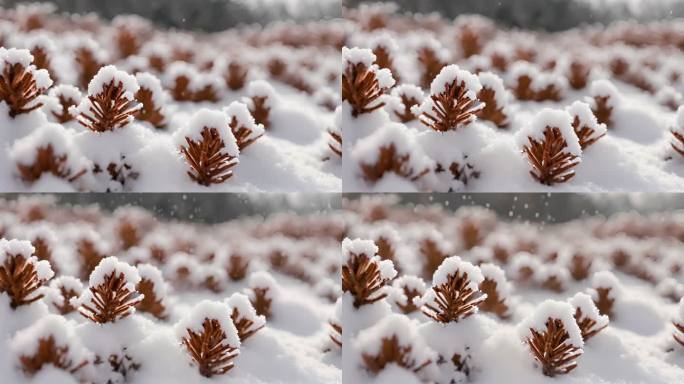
(593, 300)
(244, 301)
(92, 105)
(431, 104)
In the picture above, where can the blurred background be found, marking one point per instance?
(549, 15)
(544, 207)
(197, 207)
(207, 15)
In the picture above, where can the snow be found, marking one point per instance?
(24, 150)
(452, 73)
(554, 119)
(679, 126)
(606, 279)
(358, 247)
(584, 303)
(455, 265)
(25, 342)
(111, 265)
(495, 273)
(13, 56)
(109, 74)
(358, 56)
(42, 78)
(605, 88)
(209, 310)
(491, 81)
(244, 118)
(586, 117)
(557, 310)
(241, 302)
(263, 279)
(261, 88)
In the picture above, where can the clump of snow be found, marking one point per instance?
(358, 56)
(209, 310)
(13, 56)
(496, 274)
(24, 150)
(582, 111)
(605, 88)
(241, 302)
(358, 247)
(550, 118)
(557, 310)
(150, 82)
(491, 81)
(239, 111)
(584, 303)
(606, 279)
(453, 73)
(454, 265)
(262, 88)
(408, 282)
(111, 265)
(25, 249)
(109, 74)
(151, 273)
(263, 279)
(42, 78)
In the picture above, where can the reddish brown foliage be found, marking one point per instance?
(244, 326)
(491, 110)
(209, 164)
(111, 300)
(587, 326)
(19, 280)
(208, 349)
(109, 109)
(362, 278)
(361, 89)
(49, 353)
(392, 352)
(18, 89)
(149, 111)
(452, 108)
(390, 161)
(551, 350)
(454, 300)
(46, 161)
(551, 163)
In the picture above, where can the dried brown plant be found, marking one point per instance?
(20, 281)
(208, 349)
(335, 142)
(393, 352)
(587, 325)
(243, 135)
(88, 65)
(245, 326)
(551, 350)
(494, 303)
(391, 161)
(336, 333)
(677, 335)
(677, 143)
(46, 161)
(109, 109)
(150, 303)
(602, 110)
(50, 353)
(237, 267)
(89, 257)
(431, 65)
(587, 136)
(209, 163)
(433, 255)
(236, 76)
(523, 88)
(260, 110)
(451, 108)
(261, 300)
(64, 115)
(149, 111)
(65, 307)
(111, 300)
(361, 89)
(410, 293)
(406, 114)
(604, 302)
(491, 110)
(578, 74)
(454, 300)
(362, 278)
(551, 163)
(181, 88)
(19, 90)
(580, 266)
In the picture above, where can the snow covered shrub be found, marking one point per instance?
(589, 321)
(402, 100)
(549, 87)
(206, 87)
(453, 100)
(244, 316)
(554, 277)
(210, 338)
(21, 83)
(363, 83)
(48, 150)
(364, 274)
(605, 290)
(679, 325)
(178, 79)
(493, 95)
(432, 59)
(677, 142)
(51, 341)
(89, 57)
(434, 250)
(394, 341)
(578, 74)
(151, 96)
(551, 146)
(384, 48)
(522, 76)
(245, 130)
(236, 266)
(42, 49)
(235, 75)
(387, 239)
(21, 274)
(553, 337)
(59, 101)
(62, 290)
(585, 124)
(455, 293)
(90, 251)
(406, 291)
(604, 99)
(209, 147)
(496, 289)
(110, 103)
(391, 150)
(153, 290)
(260, 99)
(130, 32)
(525, 268)
(111, 293)
(262, 291)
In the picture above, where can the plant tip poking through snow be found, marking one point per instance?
(587, 316)
(244, 316)
(22, 275)
(364, 274)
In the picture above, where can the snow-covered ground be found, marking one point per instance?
(485, 153)
(286, 74)
(530, 272)
(196, 272)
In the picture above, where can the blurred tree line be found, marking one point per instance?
(549, 15)
(207, 15)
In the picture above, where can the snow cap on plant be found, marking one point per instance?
(62, 290)
(153, 288)
(407, 292)
(493, 95)
(59, 101)
(261, 97)
(364, 274)
(497, 289)
(604, 98)
(50, 341)
(553, 337)
(588, 318)
(21, 274)
(112, 292)
(586, 126)
(455, 293)
(605, 290)
(453, 100)
(209, 337)
(261, 292)
(401, 101)
(151, 97)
